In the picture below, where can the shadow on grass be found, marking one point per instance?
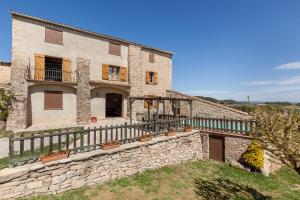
(225, 189)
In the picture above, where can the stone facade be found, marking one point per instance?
(206, 108)
(18, 116)
(4, 74)
(235, 147)
(83, 103)
(100, 166)
(91, 88)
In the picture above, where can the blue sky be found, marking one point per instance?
(225, 49)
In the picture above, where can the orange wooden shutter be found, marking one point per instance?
(147, 77)
(39, 69)
(67, 72)
(105, 72)
(155, 78)
(145, 104)
(123, 71)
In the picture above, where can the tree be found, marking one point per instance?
(278, 130)
(6, 99)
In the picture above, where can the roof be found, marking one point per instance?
(5, 63)
(14, 13)
(211, 103)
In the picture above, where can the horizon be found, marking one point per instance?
(222, 50)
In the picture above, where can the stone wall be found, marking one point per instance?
(4, 74)
(138, 60)
(235, 147)
(205, 108)
(18, 115)
(99, 166)
(83, 91)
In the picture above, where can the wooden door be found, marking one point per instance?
(216, 148)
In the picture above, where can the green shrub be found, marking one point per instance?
(254, 156)
(6, 98)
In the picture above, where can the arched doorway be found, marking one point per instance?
(113, 105)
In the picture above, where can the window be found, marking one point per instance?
(53, 36)
(114, 49)
(150, 103)
(151, 57)
(114, 72)
(53, 69)
(53, 100)
(151, 78)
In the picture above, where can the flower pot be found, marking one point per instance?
(145, 138)
(54, 156)
(170, 133)
(188, 129)
(107, 146)
(93, 119)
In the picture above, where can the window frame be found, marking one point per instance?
(111, 76)
(56, 30)
(151, 57)
(111, 51)
(46, 107)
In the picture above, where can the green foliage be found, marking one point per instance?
(254, 156)
(6, 99)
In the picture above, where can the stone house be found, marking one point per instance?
(67, 74)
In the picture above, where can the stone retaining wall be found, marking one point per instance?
(100, 166)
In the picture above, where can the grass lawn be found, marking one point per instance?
(192, 180)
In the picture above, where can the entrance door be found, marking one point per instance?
(113, 102)
(216, 148)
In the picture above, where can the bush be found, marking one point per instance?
(6, 98)
(254, 156)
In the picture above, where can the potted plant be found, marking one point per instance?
(170, 132)
(145, 138)
(110, 145)
(93, 119)
(53, 156)
(188, 128)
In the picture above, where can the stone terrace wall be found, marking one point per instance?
(235, 147)
(206, 108)
(100, 166)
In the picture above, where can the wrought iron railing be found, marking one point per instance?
(49, 74)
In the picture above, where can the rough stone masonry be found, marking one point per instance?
(100, 166)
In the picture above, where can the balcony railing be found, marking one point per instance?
(48, 74)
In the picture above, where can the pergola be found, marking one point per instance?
(162, 100)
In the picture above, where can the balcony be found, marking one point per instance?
(51, 75)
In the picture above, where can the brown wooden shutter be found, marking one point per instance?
(105, 72)
(147, 77)
(123, 72)
(114, 49)
(53, 100)
(53, 36)
(39, 69)
(155, 78)
(151, 57)
(66, 71)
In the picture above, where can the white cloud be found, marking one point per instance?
(258, 82)
(295, 80)
(291, 81)
(288, 66)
